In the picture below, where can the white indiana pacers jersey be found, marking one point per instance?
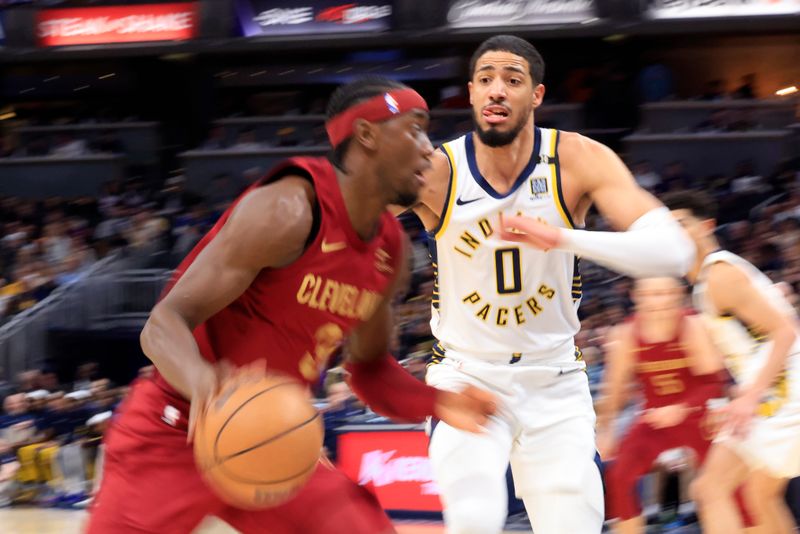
(497, 299)
(745, 350)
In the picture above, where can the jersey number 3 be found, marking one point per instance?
(508, 270)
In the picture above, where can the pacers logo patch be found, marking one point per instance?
(539, 187)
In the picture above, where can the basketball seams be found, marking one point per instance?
(237, 478)
(238, 409)
(266, 441)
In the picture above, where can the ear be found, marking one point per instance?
(365, 133)
(538, 95)
(469, 87)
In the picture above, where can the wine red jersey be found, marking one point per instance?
(663, 369)
(296, 317)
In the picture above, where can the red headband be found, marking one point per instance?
(378, 108)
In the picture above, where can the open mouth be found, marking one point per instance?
(495, 114)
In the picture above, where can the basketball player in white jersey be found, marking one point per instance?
(505, 315)
(756, 329)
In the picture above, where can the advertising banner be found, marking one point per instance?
(394, 464)
(688, 9)
(281, 17)
(490, 13)
(117, 24)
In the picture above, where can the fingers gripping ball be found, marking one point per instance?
(259, 441)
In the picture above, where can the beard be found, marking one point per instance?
(406, 199)
(495, 138)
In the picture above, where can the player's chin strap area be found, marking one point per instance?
(378, 108)
(654, 245)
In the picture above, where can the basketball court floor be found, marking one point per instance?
(51, 521)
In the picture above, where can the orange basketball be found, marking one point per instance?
(259, 441)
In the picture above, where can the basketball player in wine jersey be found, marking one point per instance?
(755, 327)
(665, 351)
(505, 315)
(307, 256)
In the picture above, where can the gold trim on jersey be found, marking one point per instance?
(451, 193)
(555, 177)
(437, 354)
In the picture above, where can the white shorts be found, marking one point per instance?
(773, 442)
(546, 408)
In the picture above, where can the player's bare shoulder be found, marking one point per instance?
(581, 156)
(433, 195)
(272, 223)
(724, 282)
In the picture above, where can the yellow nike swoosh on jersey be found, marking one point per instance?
(332, 247)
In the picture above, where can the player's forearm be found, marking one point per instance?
(168, 341)
(607, 410)
(386, 387)
(782, 339)
(654, 245)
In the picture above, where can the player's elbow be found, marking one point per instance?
(153, 330)
(684, 251)
(784, 335)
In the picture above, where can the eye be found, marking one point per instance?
(484, 79)
(515, 81)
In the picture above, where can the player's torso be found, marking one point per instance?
(663, 369)
(744, 349)
(296, 317)
(497, 298)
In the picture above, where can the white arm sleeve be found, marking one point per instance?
(654, 245)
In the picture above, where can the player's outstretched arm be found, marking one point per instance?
(653, 243)
(386, 387)
(732, 292)
(268, 227)
(617, 376)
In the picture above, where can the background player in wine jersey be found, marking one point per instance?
(505, 316)
(756, 329)
(305, 257)
(666, 352)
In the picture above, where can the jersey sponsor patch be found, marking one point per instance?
(539, 187)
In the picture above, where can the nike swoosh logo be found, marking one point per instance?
(570, 371)
(463, 202)
(332, 247)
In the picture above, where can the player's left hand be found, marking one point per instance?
(738, 414)
(530, 231)
(666, 416)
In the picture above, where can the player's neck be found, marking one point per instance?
(704, 248)
(364, 207)
(501, 166)
(658, 327)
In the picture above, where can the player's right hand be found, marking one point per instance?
(468, 410)
(207, 380)
(528, 230)
(205, 383)
(606, 443)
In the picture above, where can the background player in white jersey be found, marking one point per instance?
(505, 316)
(756, 329)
